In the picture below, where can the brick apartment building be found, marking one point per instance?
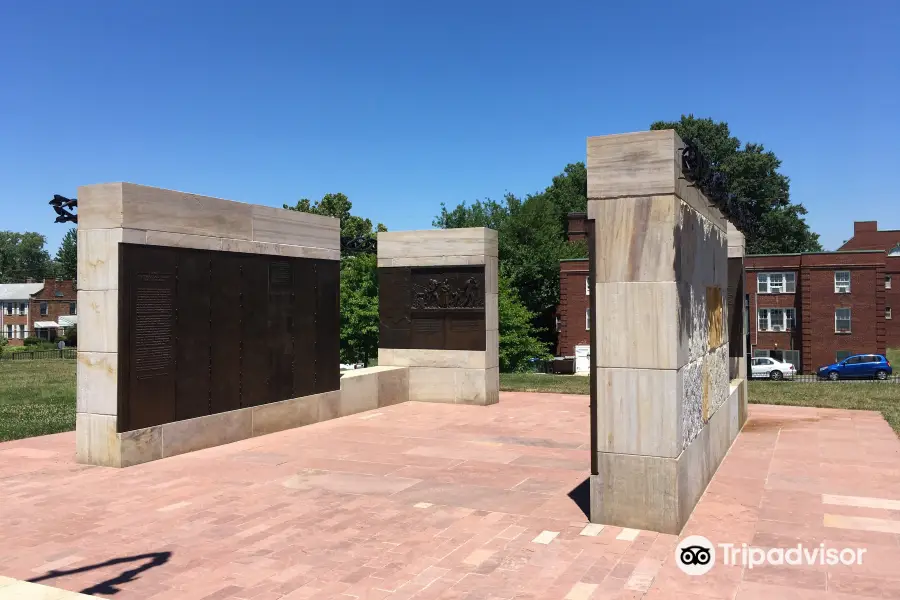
(810, 309)
(867, 237)
(36, 309)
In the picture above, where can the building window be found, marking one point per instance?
(842, 282)
(776, 283)
(587, 286)
(887, 282)
(43, 309)
(21, 331)
(895, 251)
(776, 319)
(842, 354)
(587, 319)
(9, 332)
(887, 312)
(73, 308)
(558, 323)
(23, 308)
(842, 320)
(9, 308)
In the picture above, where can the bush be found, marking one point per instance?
(71, 337)
(33, 341)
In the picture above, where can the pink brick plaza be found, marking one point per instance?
(446, 501)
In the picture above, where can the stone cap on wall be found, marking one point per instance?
(469, 245)
(140, 207)
(735, 241)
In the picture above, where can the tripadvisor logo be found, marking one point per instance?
(696, 555)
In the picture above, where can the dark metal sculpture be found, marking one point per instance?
(440, 294)
(64, 207)
(363, 244)
(714, 184)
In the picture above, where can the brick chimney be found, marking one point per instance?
(576, 228)
(864, 227)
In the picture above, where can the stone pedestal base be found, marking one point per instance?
(657, 493)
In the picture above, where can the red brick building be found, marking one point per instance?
(866, 236)
(814, 308)
(572, 313)
(34, 309)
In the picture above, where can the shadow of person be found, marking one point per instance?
(109, 586)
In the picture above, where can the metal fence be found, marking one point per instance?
(66, 353)
(894, 379)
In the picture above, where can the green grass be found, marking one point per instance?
(537, 382)
(37, 397)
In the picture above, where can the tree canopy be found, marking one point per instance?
(761, 194)
(23, 257)
(66, 263)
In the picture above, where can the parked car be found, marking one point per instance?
(771, 368)
(860, 366)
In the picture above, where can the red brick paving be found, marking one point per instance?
(330, 510)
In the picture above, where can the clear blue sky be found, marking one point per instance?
(404, 105)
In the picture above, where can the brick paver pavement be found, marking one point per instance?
(443, 501)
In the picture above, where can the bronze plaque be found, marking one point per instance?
(202, 332)
(432, 308)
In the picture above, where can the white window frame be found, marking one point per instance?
(9, 331)
(841, 287)
(849, 320)
(23, 308)
(887, 313)
(887, 282)
(895, 251)
(21, 331)
(587, 319)
(788, 320)
(786, 282)
(587, 286)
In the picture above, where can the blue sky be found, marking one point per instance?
(404, 105)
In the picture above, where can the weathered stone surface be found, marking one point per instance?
(140, 446)
(207, 431)
(96, 375)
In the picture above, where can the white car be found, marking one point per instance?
(771, 368)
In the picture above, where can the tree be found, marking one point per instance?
(519, 341)
(359, 308)
(23, 257)
(359, 279)
(67, 256)
(760, 195)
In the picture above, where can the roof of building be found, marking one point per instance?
(19, 291)
(68, 320)
(809, 253)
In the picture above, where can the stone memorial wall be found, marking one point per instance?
(666, 410)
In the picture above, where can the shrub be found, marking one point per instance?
(33, 341)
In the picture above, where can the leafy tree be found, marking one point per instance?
(760, 194)
(359, 308)
(22, 256)
(67, 256)
(359, 279)
(518, 339)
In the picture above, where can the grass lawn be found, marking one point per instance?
(538, 382)
(883, 397)
(37, 397)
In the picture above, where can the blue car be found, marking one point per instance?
(860, 366)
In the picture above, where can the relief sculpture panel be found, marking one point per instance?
(432, 308)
